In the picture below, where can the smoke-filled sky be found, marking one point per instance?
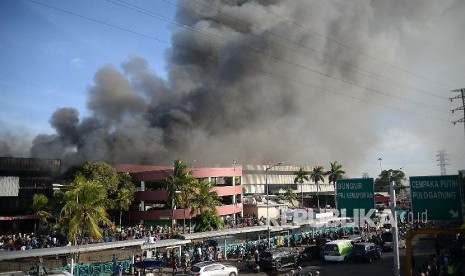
(364, 83)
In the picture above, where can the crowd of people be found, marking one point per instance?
(155, 233)
(27, 241)
(46, 238)
(247, 221)
(445, 261)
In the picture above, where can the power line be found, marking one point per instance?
(260, 52)
(344, 45)
(331, 60)
(196, 50)
(98, 21)
(462, 96)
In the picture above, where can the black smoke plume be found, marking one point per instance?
(246, 87)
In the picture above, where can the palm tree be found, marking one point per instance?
(205, 198)
(334, 174)
(85, 210)
(187, 195)
(123, 197)
(175, 182)
(301, 176)
(39, 206)
(207, 221)
(317, 175)
(205, 201)
(123, 201)
(290, 196)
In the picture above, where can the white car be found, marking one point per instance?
(212, 268)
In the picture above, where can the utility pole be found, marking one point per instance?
(394, 230)
(461, 95)
(442, 161)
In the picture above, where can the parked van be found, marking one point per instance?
(338, 250)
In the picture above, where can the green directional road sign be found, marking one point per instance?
(355, 194)
(436, 197)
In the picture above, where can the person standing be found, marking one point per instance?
(174, 265)
(119, 269)
(114, 260)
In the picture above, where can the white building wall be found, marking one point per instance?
(9, 186)
(254, 180)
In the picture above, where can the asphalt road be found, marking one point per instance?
(422, 250)
(381, 267)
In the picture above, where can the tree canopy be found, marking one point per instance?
(290, 196)
(40, 208)
(383, 181)
(207, 221)
(335, 172)
(84, 211)
(95, 189)
(118, 186)
(205, 197)
(300, 177)
(317, 175)
(192, 195)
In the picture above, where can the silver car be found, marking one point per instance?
(212, 269)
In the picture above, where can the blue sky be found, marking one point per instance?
(50, 51)
(49, 57)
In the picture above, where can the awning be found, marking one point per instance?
(164, 243)
(225, 232)
(66, 250)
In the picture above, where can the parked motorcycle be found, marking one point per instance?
(252, 266)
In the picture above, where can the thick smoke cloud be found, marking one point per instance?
(243, 89)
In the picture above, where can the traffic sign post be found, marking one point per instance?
(355, 194)
(436, 197)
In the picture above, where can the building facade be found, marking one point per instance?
(280, 178)
(150, 199)
(20, 180)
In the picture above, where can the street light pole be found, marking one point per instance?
(173, 206)
(380, 167)
(394, 230)
(268, 201)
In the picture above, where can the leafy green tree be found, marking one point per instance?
(290, 196)
(384, 180)
(101, 172)
(300, 177)
(119, 188)
(84, 210)
(205, 198)
(39, 207)
(317, 175)
(334, 174)
(207, 221)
